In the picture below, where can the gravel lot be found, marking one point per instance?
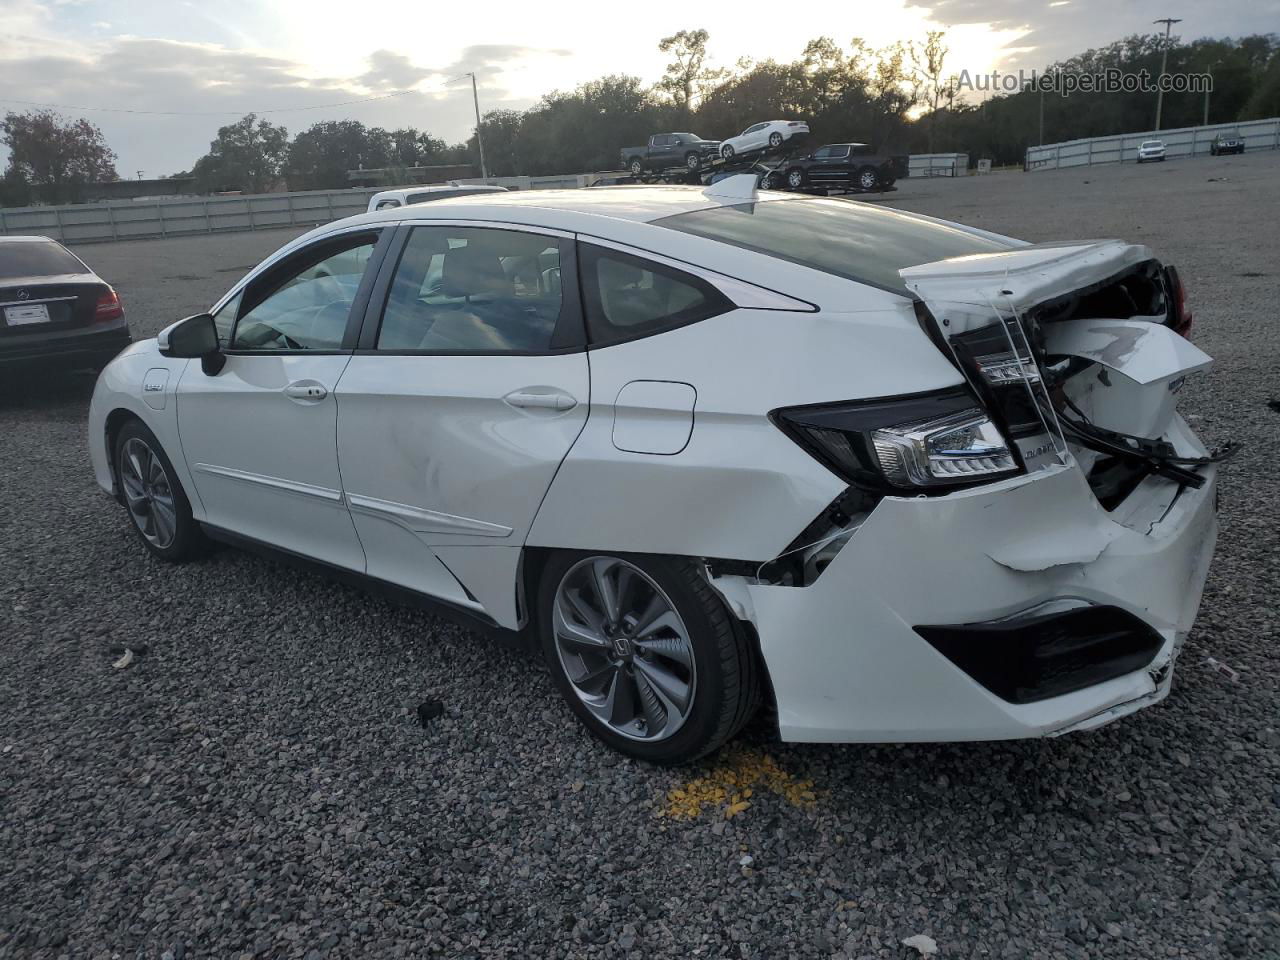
(256, 783)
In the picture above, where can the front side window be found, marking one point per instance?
(473, 290)
(857, 241)
(628, 297)
(823, 153)
(305, 305)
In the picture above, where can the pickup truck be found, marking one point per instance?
(670, 150)
(846, 166)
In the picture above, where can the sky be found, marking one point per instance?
(199, 65)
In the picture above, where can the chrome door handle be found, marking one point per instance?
(542, 401)
(306, 390)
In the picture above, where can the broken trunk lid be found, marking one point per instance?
(1016, 280)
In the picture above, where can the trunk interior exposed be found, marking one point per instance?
(1075, 349)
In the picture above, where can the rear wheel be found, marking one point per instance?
(645, 654)
(868, 178)
(637, 168)
(157, 505)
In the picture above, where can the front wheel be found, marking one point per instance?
(693, 162)
(775, 140)
(726, 152)
(795, 178)
(646, 654)
(156, 502)
(637, 168)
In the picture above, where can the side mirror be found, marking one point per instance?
(194, 337)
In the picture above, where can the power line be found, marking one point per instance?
(204, 113)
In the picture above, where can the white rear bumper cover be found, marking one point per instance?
(847, 666)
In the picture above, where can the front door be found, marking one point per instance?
(469, 388)
(259, 436)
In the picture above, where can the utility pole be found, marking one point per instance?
(1042, 116)
(475, 99)
(1207, 90)
(1164, 62)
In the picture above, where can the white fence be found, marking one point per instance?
(148, 219)
(1182, 142)
(938, 165)
(140, 219)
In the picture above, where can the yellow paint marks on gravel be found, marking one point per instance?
(740, 773)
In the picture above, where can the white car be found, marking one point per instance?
(1151, 150)
(708, 448)
(769, 135)
(404, 196)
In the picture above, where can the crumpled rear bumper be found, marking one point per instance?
(847, 664)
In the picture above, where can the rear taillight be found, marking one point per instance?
(1180, 318)
(929, 441)
(108, 307)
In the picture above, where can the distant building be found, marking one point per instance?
(396, 176)
(135, 189)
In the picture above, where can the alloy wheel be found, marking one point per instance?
(795, 179)
(775, 139)
(867, 180)
(624, 648)
(148, 493)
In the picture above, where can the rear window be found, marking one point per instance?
(846, 238)
(444, 195)
(36, 258)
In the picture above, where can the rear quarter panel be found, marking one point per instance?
(739, 488)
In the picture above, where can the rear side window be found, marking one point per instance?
(627, 297)
(473, 290)
(36, 258)
(847, 238)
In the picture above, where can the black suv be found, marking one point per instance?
(1226, 143)
(847, 166)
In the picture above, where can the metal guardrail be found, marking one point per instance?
(1123, 148)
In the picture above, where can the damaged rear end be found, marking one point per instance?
(1052, 591)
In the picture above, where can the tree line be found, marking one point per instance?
(906, 97)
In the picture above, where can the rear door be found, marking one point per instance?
(469, 386)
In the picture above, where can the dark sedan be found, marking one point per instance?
(55, 311)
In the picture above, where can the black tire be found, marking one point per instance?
(637, 167)
(726, 152)
(775, 140)
(867, 179)
(766, 180)
(728, 688)
(796, 178)
(188, 540)
(693, 162)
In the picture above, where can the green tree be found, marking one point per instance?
(54, 156)
(687, 75)
(320, 156)
(1265, 99)
(247, 155)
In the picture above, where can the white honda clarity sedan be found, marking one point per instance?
(892, 478)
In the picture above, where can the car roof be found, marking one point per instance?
(635, 203)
